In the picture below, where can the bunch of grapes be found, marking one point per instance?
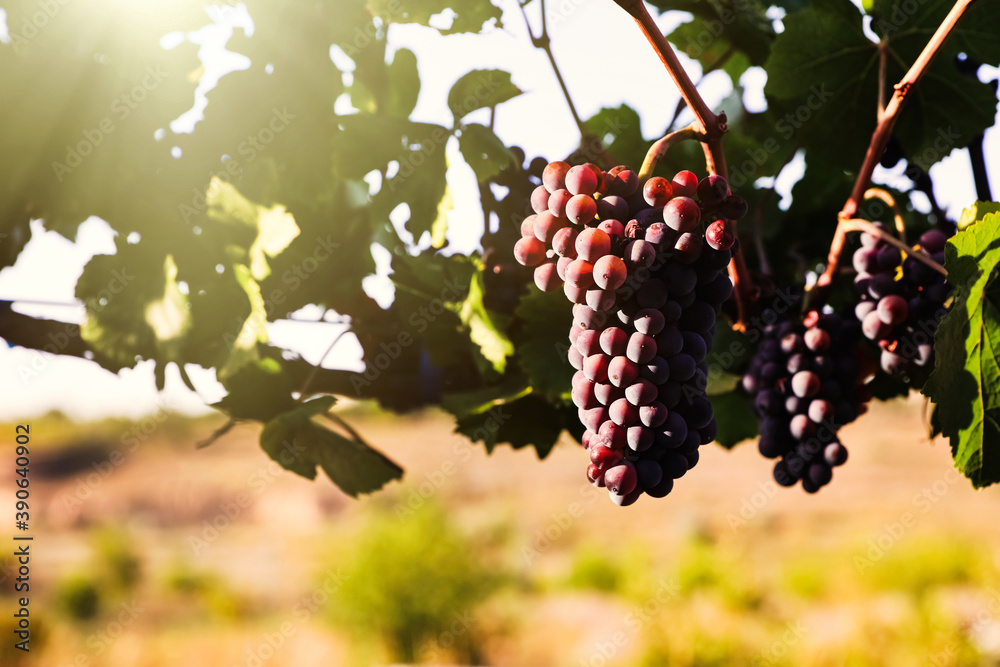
(647, 284)
(901, 300)
(806, 382)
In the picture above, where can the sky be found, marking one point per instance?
(43, 280)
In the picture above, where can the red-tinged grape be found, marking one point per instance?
(612, 208)
(805, 384)
(595, 367)
(817, 340)
(801, 428)
(588, 318)
(589, 342)
(893, 310)
(712, 190)
(649, 321)
(612, 227)
(687, 247)
(835, 454)
(892, 363)
(820, 411)
(653, 415)
(719, 236)
(656, 371)
(614, 436)
(529, 252)
(564, 242)
(593, 418)
(657, 191)
(580, 273)
(613, 341)
(561, 265)
(639, 438)
(609, 272)
(585, 439)
(557, 202)
(574, 293)
(604, 457)
(685, 184)
(622, 372)
(600, 299)
(575, 358)
(733, 207)
(640, 254)
(626, 500)
(607, 393)
(595, 475)
(623, 413)
(546, 226)
(528, 227)
(641, 348)
(554, 176)
(539, 199)
(681, 214)
(583, 395)
(633, 230)
(546, 277)
(873, 327)
(581, 180)
(641, 392)
(592, 244)
(624, 181)
(659, 234)
(581, 209)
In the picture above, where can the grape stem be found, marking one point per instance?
(661, 146)
(543, 42)
(879, 193)
(711, 127)
(758, 232)
(887, 119)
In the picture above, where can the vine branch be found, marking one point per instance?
(710, 126)
(887, 120)
(661, 146)
(544, 43)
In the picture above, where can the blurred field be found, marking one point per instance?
(164, 555)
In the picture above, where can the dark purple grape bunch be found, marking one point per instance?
(806, 381)
(902, 300)
(647, 278)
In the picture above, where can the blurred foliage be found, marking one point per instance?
(79, 597)
(303, 161)
(408, 581)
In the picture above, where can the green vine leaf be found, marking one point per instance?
(484, 151)
(297, 444)
(823, 83)
(480, 89)
(965, 383)
(547, 317)
(493, 343)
